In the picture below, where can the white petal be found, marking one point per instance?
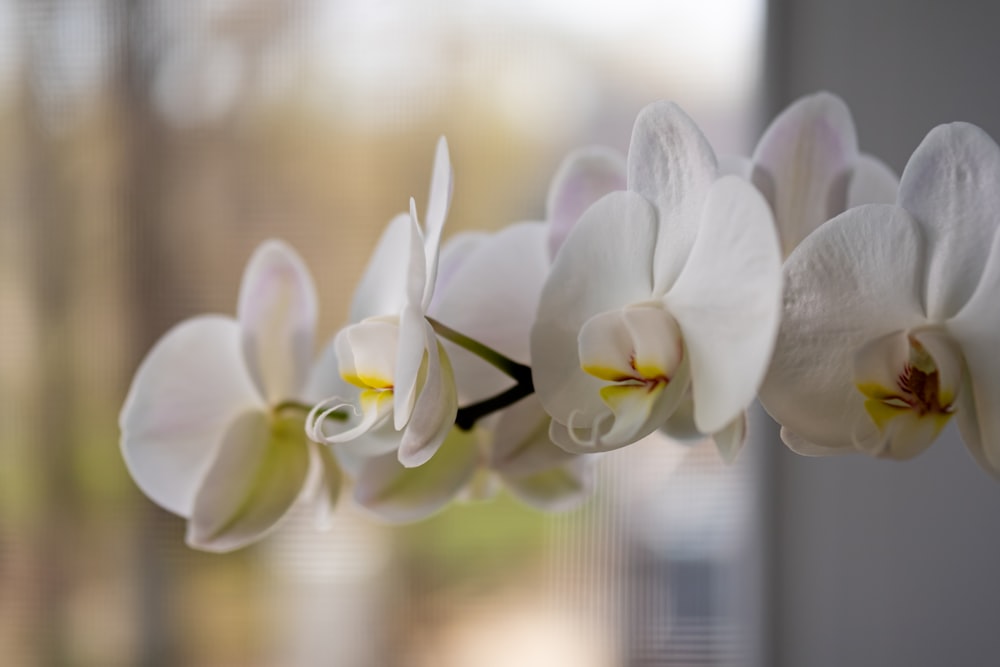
(187, 391)
(727, 302)
(434, 413)
(976, 329)
(968, 423)
(323, 484)
(382, 289)
(850, 282)
(672, 164)
(805, 448)
(438, 203)
(583, 177)
(558, 489)
(277, 314)
(630, 414)
(680, 424)
(606, 263)
(257, 474)
(521, 444)
(803, 162)
(324, 377)
(493, 298)
(453, 255)
(950, 187)
(419, 282)
(871, 182)
(411, 356)
(729, 441)
(366, 353)
(736, 165)
(400, 494)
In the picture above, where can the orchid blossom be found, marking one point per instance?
(665, 293)
(403, 391)
(488, 288)
(808, 167)
(212, 428)
(890, 318)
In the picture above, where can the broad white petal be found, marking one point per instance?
(277, 314)
(558, 489)
(606, 263)
(803, 162)
(583, 177)
(671, 163)
(382, 289)
(434, 413)
(453, 255)
(521, 444)
(729, 441)
(976, 329)
(438, 203)
(257, 474)
(850, 282)
(950, 187)
(727, 302)
(400, 494)
(871, 182)
(493, 298)
(187, 391)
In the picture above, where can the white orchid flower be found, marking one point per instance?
(890, 320)
(669, 288)
(808, 166)
(487, 288)
(404, 394)
(210, 427)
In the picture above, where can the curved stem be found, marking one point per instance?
(518, 372)
(470, 414)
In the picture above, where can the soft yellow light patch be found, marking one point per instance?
(607, 373)
(367, 381)
(377, 400)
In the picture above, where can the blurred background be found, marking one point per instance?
(147, 146)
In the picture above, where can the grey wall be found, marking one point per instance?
(872, 562)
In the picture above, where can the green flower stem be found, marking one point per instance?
(470, 414)
(518, 372)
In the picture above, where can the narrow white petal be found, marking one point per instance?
(323, 484)
(583, 177)
(950, 187)
(850, 282)
(438, 203)
(400, 494)
(729, 441)
(606, 263)
(187, 391)
(257, 474)
(727, 302)
(671, 163)
(802, 165)
(277, 315)
(411, 356)
(435, 410)
(871, 182)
